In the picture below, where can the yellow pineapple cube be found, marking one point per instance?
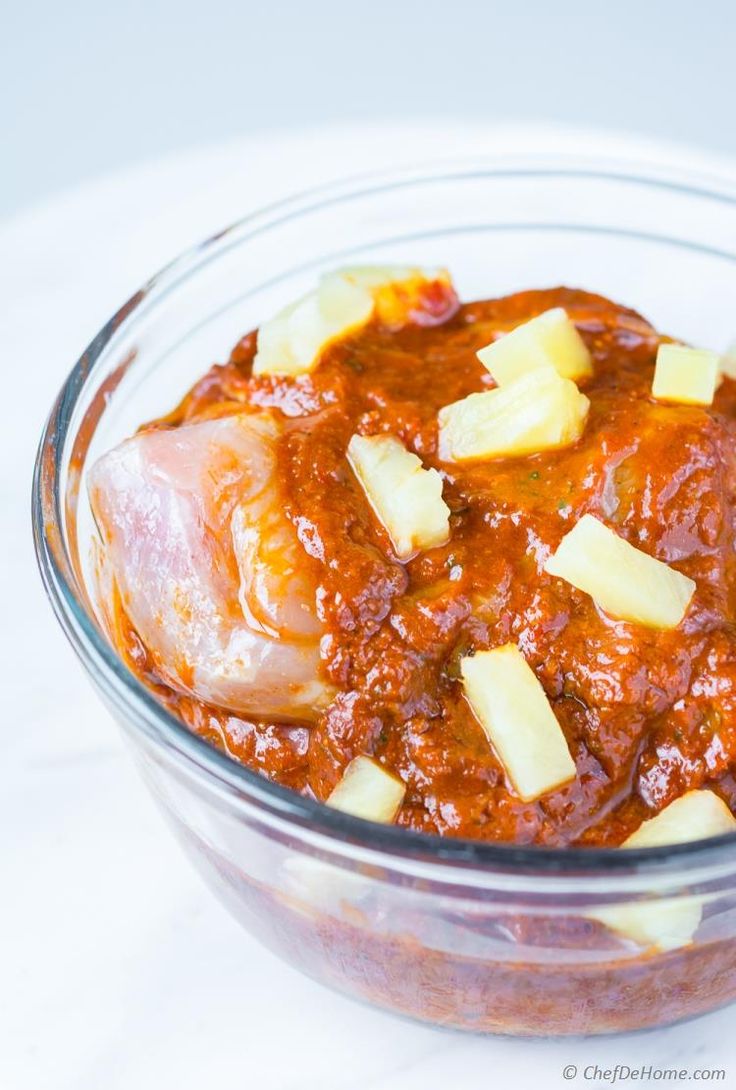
(538, 411)
(368, 791)
(292, 342)
(405, 497)
(627, 583)
(315, 887)
(512, 707)
(670, 923)
(694, 816)
(399, 291)
(665, 924)
(688, 376)
(549, 340)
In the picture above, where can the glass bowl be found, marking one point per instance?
(486, 937)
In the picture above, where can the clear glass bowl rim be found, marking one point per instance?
(136, 703)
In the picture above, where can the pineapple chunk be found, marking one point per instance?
(291, 343)
(315, 886)
(670, 923)
(694, 816)
(624, 581)
(403, 293)
(550, 340)
(663, 924)
(537, 411)
(512, 707)
(368, 791)
(685, 375)
(406, 498)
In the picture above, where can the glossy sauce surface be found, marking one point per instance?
(647, 714)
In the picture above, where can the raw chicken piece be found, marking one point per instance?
(209, 569)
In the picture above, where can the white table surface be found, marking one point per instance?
(118, 969)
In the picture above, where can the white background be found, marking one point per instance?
(118, 971)
(91, 85)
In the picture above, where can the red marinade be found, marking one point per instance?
(647, 714)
